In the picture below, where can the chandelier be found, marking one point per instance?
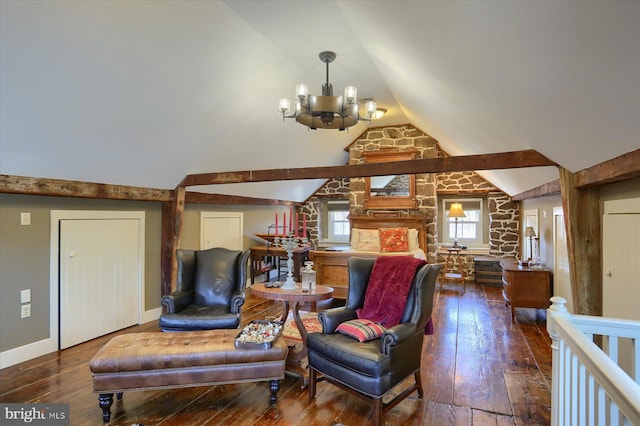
(326, 111)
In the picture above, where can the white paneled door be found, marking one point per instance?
(99, 277)
(620, 265)
(621, 268)
(221, 229)
(561, 278)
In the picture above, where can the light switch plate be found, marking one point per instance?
(25, 296)
(25, 311)
(25, 218)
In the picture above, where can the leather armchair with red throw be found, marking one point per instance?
(370, 369)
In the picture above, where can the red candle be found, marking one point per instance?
(276, 224)
(297, 223)
(284, 224)
(290, 219)
(304, 225)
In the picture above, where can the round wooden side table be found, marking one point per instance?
(296, 297)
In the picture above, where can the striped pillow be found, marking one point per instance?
(361, 329)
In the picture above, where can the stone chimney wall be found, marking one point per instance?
(399, 138)
(504, 214)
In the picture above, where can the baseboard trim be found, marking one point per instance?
(27, 352)
(150, 315)
(46, 346)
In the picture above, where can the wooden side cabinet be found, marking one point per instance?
(524, 287)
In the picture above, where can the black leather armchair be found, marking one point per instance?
(210, 290)
(371, 369)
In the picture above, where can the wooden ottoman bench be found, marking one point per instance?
(156, 360)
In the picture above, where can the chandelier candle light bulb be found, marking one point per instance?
(351, 94)
(302, 90)
(285, 106)
(371, 109)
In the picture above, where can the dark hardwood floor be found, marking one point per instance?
(478, 368)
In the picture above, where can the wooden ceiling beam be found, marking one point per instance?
(495, 161)
(67, 188)
(205, 198)
(70, 188)
(623, 167)
(618, 169)
(544, 190)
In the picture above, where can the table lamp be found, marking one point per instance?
(456, 212)
(531, 234)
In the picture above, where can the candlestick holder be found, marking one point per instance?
(289, 243)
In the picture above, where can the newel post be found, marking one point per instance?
(557, 308)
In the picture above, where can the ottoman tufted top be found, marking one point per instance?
(165, 350)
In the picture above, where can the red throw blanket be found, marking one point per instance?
(388, 288)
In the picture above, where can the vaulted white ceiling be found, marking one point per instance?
(143, 93)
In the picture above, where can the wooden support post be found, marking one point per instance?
(172, 218)
(166, 246)
(582, 222)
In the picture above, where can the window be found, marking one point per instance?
(339, 225)
(336, 221)
(469, 228)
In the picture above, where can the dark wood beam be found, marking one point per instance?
(166, 247)
(544, 190)
(582, 224)
(70, 188)
(623, 167)
(23, 185)
(177, 214)
(495, 161)
(205, 198)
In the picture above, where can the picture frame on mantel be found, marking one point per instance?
(392, 192)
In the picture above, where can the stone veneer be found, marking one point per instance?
(504, 225)
(337, 189)
(457, 182)
(503, 213)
